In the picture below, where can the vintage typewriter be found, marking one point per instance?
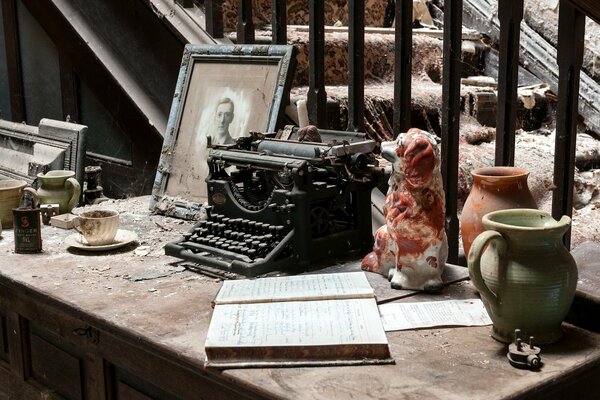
(279, 204)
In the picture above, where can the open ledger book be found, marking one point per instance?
(326, 319)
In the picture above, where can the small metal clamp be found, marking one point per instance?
(524, 355)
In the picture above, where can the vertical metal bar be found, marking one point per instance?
(571, 30)
(214, 17)
(245, 25)
(13, 60)
(402, 70)
(356, 70)
(451, 118)
(510, 14)
(317, 98)
(279, 21)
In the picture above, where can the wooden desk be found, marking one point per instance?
(130, 325)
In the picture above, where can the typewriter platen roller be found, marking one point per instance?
(281, 205)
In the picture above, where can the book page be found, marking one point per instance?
(299, 287)
(402, 316)
(296, 323)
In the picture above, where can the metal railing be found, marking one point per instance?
(510, 14)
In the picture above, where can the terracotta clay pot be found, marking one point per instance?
(494, 188)
(524, 273)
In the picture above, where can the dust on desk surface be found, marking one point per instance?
(139, 269)
(153, 230)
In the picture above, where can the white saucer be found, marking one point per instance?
(122, 238)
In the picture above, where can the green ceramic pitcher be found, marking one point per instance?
(524, 273)
(59, 187)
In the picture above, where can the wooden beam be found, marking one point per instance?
(403, 68)
(245, 24)
(510, 14)
(279, 21)
(356, 70)
(214, 17)
(317, 98)
(451, 119)
(591, 8)
(571, 31)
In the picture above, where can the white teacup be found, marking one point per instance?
(98, 227)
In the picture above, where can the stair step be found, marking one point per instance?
(336, 12)
(379, 56)
(479, 103)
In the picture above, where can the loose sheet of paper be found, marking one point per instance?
(296, 323)
(300, 287)
(402, 316)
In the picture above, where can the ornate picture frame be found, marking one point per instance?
(223, 92)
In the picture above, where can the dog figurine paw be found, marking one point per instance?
(411, 248)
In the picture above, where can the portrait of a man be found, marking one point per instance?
(224, 114)
(223, 105)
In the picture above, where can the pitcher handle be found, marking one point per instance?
(76, 187)
(474, 262)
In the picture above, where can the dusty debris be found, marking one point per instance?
(150, 275)
(142, 251)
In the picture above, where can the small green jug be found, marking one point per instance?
(524, 273)
(59, 187)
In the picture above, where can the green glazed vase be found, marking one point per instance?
(524, 273)
(59, 187)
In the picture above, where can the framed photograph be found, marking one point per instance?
(223, 92)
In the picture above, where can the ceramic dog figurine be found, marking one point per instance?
(411, 248)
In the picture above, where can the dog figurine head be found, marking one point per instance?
(414, 156)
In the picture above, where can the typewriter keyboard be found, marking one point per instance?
(233, 238)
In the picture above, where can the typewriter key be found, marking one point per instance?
(262, 248)
(279, 231)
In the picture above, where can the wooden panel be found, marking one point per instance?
(17, 329)
(56, 368)
(12, 387)
(127, 386)
(3, 337)
(125, 391)
(137, 366)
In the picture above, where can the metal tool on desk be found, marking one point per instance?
(279, 204)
